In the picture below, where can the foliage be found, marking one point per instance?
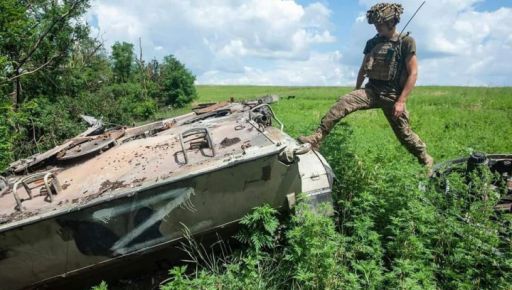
(102, 286)
(36, 40)
(313, 249)
(52, 70)
(122, 61)
(6, 139)
(176, 82)
(260, 229)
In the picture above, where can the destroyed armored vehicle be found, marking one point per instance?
(499, 165)
(113, 195)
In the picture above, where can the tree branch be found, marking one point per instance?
(94, 51)
(43, 36)
(35, 70)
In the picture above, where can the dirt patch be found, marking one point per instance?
(229, 141)
(109, 185)
(4, 219)
(17, 216)
(138, 181)
(164, 146)
(165, 176)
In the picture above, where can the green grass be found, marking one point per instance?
(451, 120)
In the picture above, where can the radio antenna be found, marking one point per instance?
(411, 18)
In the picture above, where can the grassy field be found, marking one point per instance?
(451, 120)
(392, 228)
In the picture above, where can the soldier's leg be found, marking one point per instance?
(402, 129)
(361, 99)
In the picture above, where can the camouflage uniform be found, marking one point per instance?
(381, 91)
(367, 98)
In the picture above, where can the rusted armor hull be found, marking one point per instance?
(139, 196)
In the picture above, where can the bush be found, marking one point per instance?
(313, 251)
(39, 125)
(260, 229)
(176, 83)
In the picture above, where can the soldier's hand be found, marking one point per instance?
(398, 109)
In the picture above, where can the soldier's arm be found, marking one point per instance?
(412, 76)
(361, 74)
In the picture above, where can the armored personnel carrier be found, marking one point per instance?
(113, 195)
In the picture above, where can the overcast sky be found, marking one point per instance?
(308, 42)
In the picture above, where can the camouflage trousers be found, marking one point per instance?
(364, 99)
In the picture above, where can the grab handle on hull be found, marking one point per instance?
(203, 135)
(50, 182)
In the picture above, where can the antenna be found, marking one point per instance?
(411, 18)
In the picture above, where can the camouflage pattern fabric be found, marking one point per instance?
(392, 88)
(383, 59)
(364, 99)
(383, 12)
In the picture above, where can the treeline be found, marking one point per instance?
(52, 71)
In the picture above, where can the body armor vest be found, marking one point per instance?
(384, 59)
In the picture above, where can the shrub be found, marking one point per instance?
(176, 83)
(260, 229)
(313, 251)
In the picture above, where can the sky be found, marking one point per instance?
(309, 42)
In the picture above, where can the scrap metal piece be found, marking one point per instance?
(499, 164)
(91, 120)
(83, 147)
(144, 131)
(269, 99)
(86, 148)
(212, 114)
(25, 164)
(209, 107)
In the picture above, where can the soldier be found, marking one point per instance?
(391, 66)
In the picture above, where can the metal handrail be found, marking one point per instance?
(6, 188)
(31, 178)
(56, 185)
(193, 131)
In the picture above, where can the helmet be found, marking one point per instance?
(383, 12)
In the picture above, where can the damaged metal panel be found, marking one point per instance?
(135, 195)
(500, 165)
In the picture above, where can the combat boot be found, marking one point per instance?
(314, 139)
(428, 162)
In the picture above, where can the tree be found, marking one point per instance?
(52, 70)
(176, 83)
(122, 61)
(36, 37)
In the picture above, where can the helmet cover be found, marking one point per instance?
(384, 12)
